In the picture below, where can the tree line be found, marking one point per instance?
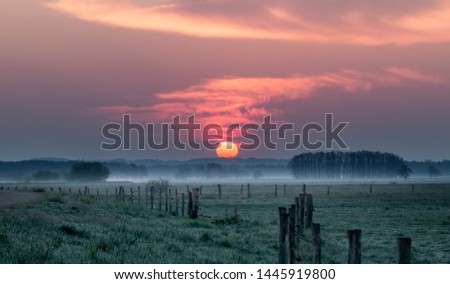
(348, 165)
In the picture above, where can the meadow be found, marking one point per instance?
(73, 228)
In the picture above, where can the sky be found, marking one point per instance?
(69, 67)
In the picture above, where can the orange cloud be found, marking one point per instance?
(274, 20)
(243, 100)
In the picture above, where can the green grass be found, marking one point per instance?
(96, 229)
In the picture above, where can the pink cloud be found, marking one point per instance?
(243, 100)
(349, 22)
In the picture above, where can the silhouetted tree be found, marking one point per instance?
(88, 171)
(433, 171)
(345, 165)
(404, 171)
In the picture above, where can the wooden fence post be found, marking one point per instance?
(328, 191)
(182, 204)
(354, 249)
(309, 211)
(248, 190)
(196, 201)
(146, 196)
(131, 195)
(403, 250)
(302, 213)
(160, 199)
(292, 238)
(190, 206)
(412, 188)
(371, 188)
(276, 190)
(152, 196)
(139, 196)
(176, 202)
(317, 243)
(297, 220)
(167, 201)
(284, 189)
(242, 189)
(304, 188)
(219, 189)
(283, 254)
(193, 204)
(170, 200)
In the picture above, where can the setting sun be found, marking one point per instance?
(227, 150)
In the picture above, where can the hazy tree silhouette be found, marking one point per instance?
(433, 171)
(88, 171)
(404, 171)
(345, 165)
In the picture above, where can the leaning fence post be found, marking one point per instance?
(354, 249)
(317, 243)
(283, 256)
(403, 250)
(292, 241)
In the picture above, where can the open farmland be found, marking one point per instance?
(68, 227)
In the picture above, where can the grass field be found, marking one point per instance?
(75, 228)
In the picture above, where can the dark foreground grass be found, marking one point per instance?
(96, 229)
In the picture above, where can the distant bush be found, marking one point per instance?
(88, 171)
(45, 176)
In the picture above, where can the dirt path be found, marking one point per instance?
(10, 198)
